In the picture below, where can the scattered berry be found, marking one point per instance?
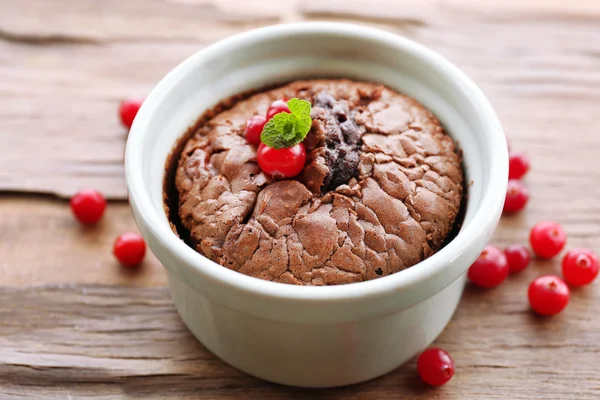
(254, 128)
(518, 257)
(518, 165)
(547, 239)
(548, 295)
(580, 266)
(128, 109)
(88, 206)
(490, 269)
(517, 196)
(435, 366)
(130, 249)
(277, 107)
(281, 163)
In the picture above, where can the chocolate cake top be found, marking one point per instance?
(381, 189)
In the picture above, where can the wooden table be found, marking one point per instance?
(74, 326)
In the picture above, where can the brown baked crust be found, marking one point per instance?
(398, 203)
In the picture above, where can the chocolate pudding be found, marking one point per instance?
(381, 189)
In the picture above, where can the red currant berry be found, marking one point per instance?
(88, 206)
(435, 366)
(548, 295)
(580, 266)
(130, 249)
(517, 196)
(490, 269)
(281, 163)
(547, 239)
(128, 109)
(518, 165)
(277, 107)
(254, 128)
(518, 257)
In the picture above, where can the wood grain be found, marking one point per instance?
(540, 66)
(63, 80)
(41, 243)
(73, 325)
(98, 342)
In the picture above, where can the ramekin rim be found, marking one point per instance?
(492, 198)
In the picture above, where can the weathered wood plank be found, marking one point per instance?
(63, 79)
(111, 342)
(108, 342)
(41, 243)
(93, 22)
(60, 130)
(114, 342)
(538, 61)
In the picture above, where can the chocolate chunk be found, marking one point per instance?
(342, 141)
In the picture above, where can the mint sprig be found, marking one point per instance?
(288, 129)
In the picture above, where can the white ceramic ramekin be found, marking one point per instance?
(316, 336)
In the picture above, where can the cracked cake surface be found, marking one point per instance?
(380, 192)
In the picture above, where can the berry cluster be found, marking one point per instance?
(517, 194)
(548, 294)
(284, 162)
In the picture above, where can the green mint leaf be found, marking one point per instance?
(303, 127)
(299, 108)
(286, 125)
(287, 130)
(279, 131)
